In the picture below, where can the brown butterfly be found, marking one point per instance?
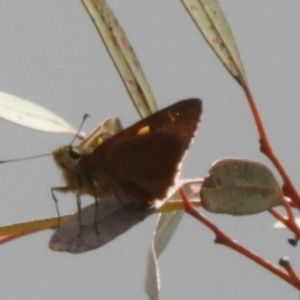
(138, 164)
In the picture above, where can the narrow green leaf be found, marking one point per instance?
(211, 21)
(167, 224)
(165, 228)
(113, 219)
(123, 56)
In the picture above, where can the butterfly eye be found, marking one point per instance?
(74, 154)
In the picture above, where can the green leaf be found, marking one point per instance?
(240, 187)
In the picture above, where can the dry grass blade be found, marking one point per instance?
(122, 55)
(28, 114)
(210, 19)
(31, 226)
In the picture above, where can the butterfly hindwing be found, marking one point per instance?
(105, 130)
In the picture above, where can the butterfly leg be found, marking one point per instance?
(61, 189)
(96, 207)
(78, 202)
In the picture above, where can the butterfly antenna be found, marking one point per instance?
(24, 158)
(85, 116)
(47, 154)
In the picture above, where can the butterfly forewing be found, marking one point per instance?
(140, 163)
(180, 119)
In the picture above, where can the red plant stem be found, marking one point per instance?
(291, 217)
(289, 212)
(223, 239)
(285, 263)
(289, 223)
(265, 147)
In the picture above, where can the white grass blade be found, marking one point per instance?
(28, 114)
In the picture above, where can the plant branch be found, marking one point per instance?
(223, 239)
(265, 147)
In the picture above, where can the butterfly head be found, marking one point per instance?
(67, 158)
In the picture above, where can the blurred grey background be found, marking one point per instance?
(51, 54)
